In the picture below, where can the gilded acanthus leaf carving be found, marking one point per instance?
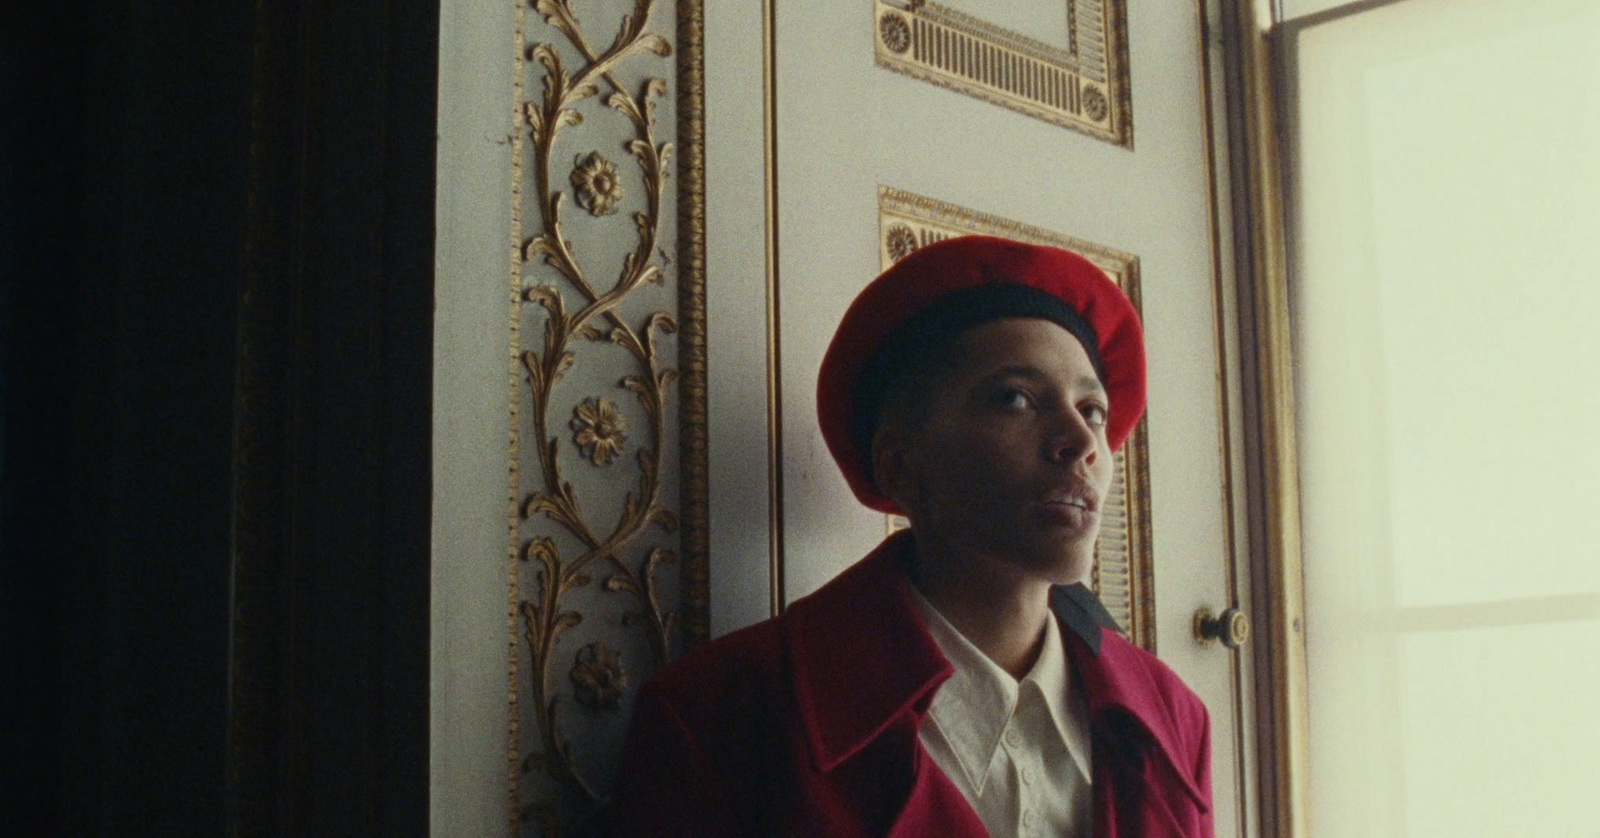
(590, 326)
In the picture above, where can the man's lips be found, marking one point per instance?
(1074, 506)
(1077, 496)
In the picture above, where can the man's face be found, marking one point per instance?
(1009, 467)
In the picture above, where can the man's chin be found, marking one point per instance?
(1069, 566)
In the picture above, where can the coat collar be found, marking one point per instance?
(861, 656)
(1081, 611)
(863, 660)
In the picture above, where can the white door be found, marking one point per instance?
(964, 127)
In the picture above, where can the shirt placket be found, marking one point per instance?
(1023, 754)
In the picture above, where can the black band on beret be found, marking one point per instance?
(947, 318)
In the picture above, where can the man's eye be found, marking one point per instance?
(1011, 400)
(1095, 413)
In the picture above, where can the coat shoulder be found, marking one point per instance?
(707, 683)
(1168, 687)
(709, 739)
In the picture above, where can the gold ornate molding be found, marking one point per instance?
(593, 608)
(1123, 571)
(1282, 705)
(694, 480)
(1083, 87)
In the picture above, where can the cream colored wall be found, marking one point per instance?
(736, 315)
(847, 126)
(468, 699)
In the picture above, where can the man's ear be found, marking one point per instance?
(893, 463)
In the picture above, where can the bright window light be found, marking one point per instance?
(1446, 304)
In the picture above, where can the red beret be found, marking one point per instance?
(953, 265)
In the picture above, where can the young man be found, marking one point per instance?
(959, 680)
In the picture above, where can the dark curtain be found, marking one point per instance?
(216, 247)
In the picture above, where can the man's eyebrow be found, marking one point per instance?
(1033, 373)
(1027, 371)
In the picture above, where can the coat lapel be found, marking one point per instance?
(1131, 716)
(1078, 609)
(936, 806)
(861, 657)
(866, 670)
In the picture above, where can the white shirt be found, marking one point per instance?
(1017, 750)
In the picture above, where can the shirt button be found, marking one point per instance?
(1013, 738)
(1026, 775)
(1028, 820)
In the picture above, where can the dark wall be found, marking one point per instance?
(216, 227)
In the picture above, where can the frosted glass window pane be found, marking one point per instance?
(1484, 716)
(1447, 337)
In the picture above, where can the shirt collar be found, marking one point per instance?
(1067, 708)
(973, 708)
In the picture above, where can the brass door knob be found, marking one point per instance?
(1231, 627)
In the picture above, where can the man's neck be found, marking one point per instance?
(1003, 617)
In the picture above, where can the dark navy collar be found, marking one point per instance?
(1081, 611)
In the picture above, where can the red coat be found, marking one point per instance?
(807, 725)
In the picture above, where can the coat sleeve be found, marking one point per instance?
(665, 783)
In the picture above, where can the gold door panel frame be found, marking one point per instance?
(1084, 87)
(1123, 572)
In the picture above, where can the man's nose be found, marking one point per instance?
(1071, 438)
